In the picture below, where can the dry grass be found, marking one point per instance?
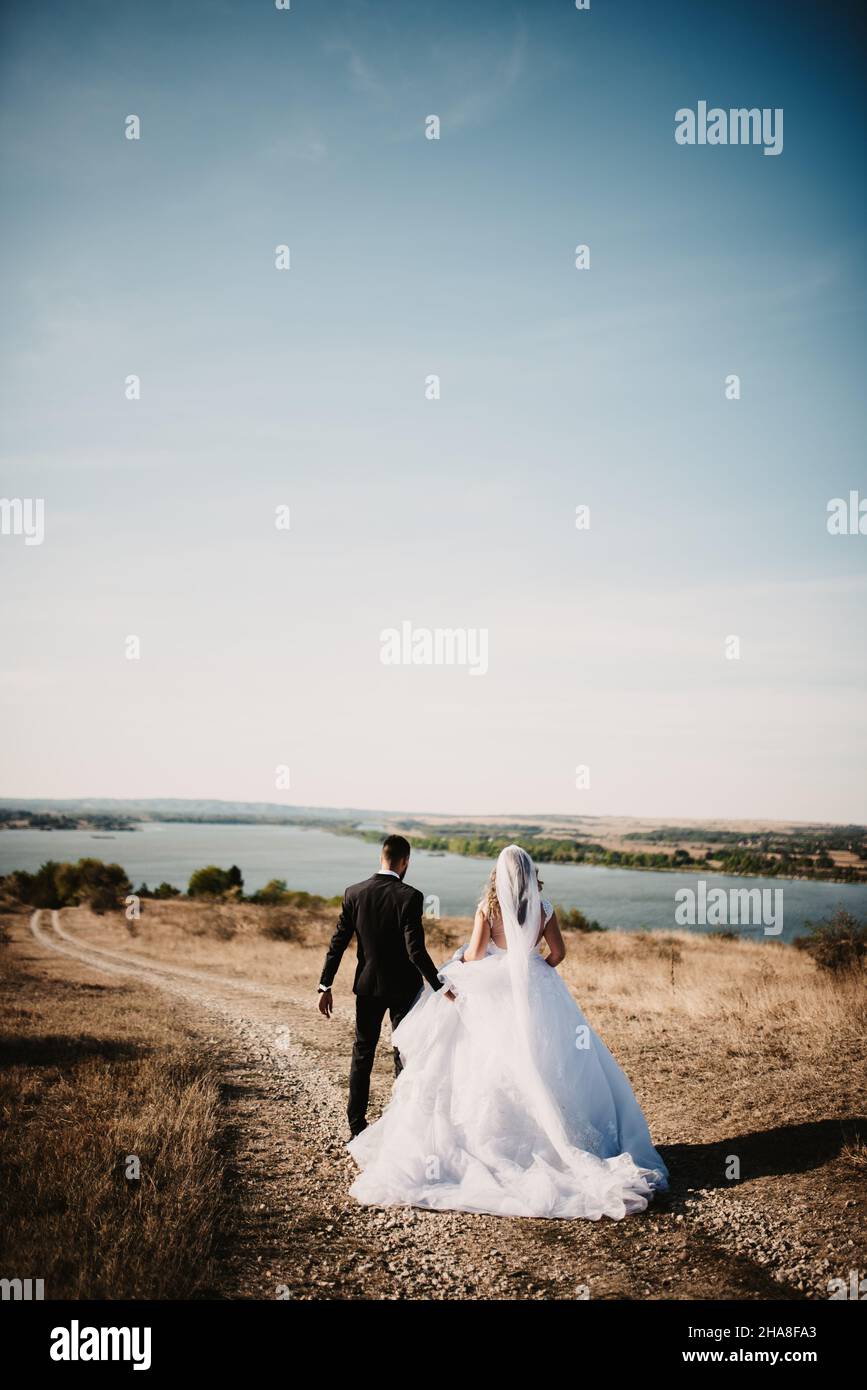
(739, 1023)
(855, 1155)
(738, 984)
(89, 1074)
(735, 985)
(736, 1035)
(732, 1046)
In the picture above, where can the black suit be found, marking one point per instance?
(385, 916)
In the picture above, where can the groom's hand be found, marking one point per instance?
(326, 1003)
(449, 994)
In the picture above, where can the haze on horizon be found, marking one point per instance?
(199, 806)
(260, 648)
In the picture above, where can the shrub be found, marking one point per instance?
(837, 944)
(573, 919)
(212, 882)
(281, 926)
(273, 892)
(103, 886)
(276, 894)
(36, 890)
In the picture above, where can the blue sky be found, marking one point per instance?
(559, 387)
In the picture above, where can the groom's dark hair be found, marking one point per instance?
(395, 849)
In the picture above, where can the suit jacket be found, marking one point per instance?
(384, 915)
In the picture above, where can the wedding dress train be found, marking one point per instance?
(508, 1102)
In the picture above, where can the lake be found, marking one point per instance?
(324, 863)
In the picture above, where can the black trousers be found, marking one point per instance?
(370, 1010)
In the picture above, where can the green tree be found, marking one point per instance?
(39, 889)
(103, 886)
(274, 892)
(210, 882)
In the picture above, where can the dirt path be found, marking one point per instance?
(300, 1235)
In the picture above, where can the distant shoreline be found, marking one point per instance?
(552, 850)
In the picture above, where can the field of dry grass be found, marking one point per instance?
(735, 1048)
(91, 1074)
(744, 1026)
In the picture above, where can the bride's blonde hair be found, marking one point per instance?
(488, 901)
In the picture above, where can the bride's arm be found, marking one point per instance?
(480, 937)
(554, 938)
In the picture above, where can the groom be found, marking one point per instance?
(384, 913)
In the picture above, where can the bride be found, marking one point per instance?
(508, 1101)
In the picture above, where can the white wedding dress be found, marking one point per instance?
(508, 1102)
